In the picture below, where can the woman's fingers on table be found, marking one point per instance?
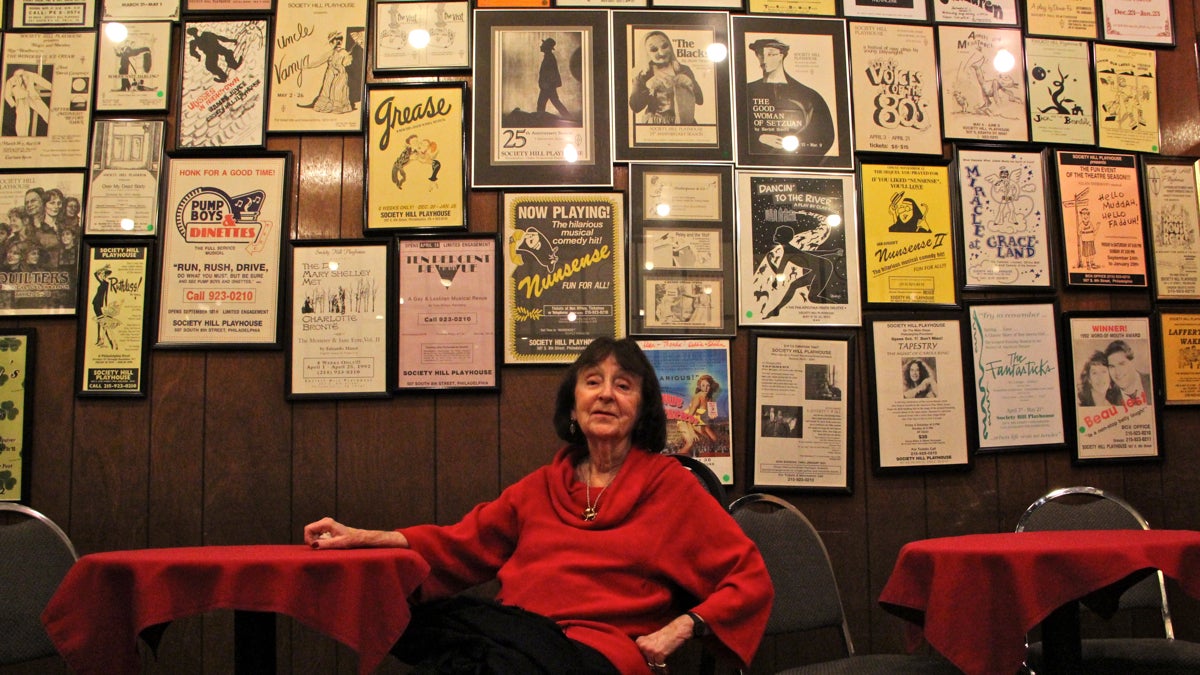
(324, 533)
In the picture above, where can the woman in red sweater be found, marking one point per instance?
(609, 558)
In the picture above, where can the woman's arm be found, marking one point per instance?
(329, 533)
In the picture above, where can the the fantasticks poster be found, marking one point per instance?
(908, 230)
(16, 358)
(672, 82)
(447, 301)
(339, 334)
(564, 272)
(694, 378)
(1018, 386)
(1101, 211)
(222, 251)
(983, 89)
(414, 157)
(1114, 387)
(1127, 94)
(40, 270)
(112, 359)
(44, 113)
(123, 188)
(1180, 333)
(1003, 201)
(318, 65)
(1171, 200)
(895, 89)
(799, 246)
(223, 93)
(1060, 91)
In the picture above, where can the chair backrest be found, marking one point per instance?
(36, 557)
(708, 479)
(1088, 508)
(806, 591)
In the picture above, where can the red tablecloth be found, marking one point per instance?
(358, 597)
(978, 595)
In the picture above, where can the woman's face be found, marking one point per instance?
(658, 48)
(607, 401)
(704, 386)
(1098, 376)
(73, 207)
(53, 205)
(914, 372)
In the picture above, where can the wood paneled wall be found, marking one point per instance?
(216, 455)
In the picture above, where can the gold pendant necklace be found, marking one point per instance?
(589, 513)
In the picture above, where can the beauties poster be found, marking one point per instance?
(798, 249)
(318, 66)
(895, 89)
(46, 108)
(1003, 200)
(564, 273)
(1101, 210)
(1127, 93)
(40, 270)
(1171, 195)
(1060, 91)
(983, 88)
(694, 378)
(113, 354)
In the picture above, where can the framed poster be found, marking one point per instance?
(135, 59)
(222, 251)
(1140, 21)
(564, 272)
(338, 342)
(412, 35)
(541, 108)
(222, 94)
(1127, 91)
(792, 93)
(47, 102)
(40, 270)
(261, 6)
(997, 13)
(1005, 239)
(1100, 209)
(17, 350)
(1060, 91)
(1017, 384)
(982, 88)
(1179, 331)
(1170, 186)
(694, 376)
(918, 398)
(51, 14)
(802, 402)
(318, 66)
(885, 10)
(681, 280)
(123, 177)
(139, 10)
(798, 7)
(908, 234)
(895, 103)
(1061, 19)
(735, 5)
(671, 80)
(112, 358)
(1111, 358)
(798, 249)
(447, 312)
(416, 161)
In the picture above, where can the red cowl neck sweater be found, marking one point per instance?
(608, 581)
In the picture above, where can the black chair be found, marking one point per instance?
(806, 591)
(36, 557)
(705, 475)
(1087, 508)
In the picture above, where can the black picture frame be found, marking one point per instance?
(1171, 186)
(16, 397)
(206, 97)
(395, 50)
(1178, 355)
(113, 317)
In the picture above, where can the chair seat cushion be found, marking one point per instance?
(878, 664)
(1150, 656)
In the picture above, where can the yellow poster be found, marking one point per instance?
(15, 348)
(113, 357)
(908, 230)
(1181, 357)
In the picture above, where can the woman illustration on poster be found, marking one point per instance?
(665, 91)
(334, 96)
(703, 410)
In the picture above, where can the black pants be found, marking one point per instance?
(467, 636)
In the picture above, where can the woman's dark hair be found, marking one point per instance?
(921, 367)
(650, 430)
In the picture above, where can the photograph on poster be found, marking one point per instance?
(134, 66)
(564, 273)
(421, 35)
(339, 346)
(1060, 91)
(318, 66)
(447, 312)
(982, 84)
(112, 354)
(1179, 331)
(42, 233)
(802, 433)
(1127, 94)
(223, 93)
(1100, 209)
(123, 178)
(1061, 19)
(1170, 185)
(919, 396)
(140, 10)
(798, 249)
(16, 392)
(1002, 196)
(1017, 383)
(1112, 368)
(46, 108)
(896, 109)
(694, 377)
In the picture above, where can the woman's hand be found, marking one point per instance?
(329, 533)
(657, 646)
